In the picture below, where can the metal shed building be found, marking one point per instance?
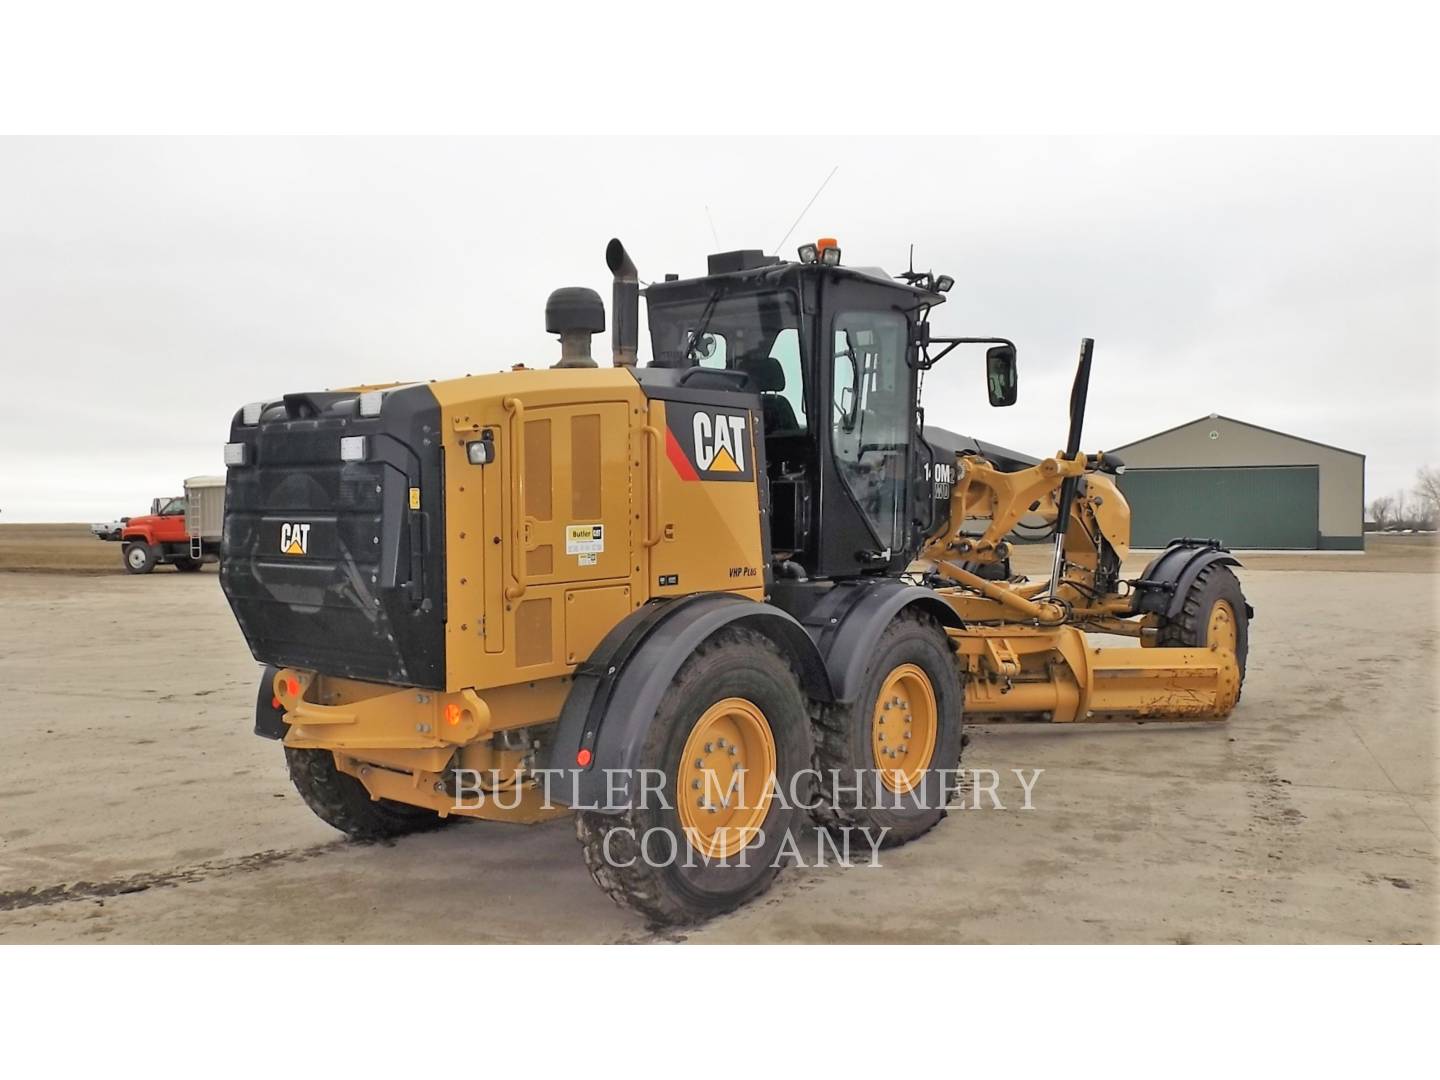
(1249, 486)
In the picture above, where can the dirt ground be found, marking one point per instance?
(136, 806)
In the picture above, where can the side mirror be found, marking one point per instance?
(1001, 378)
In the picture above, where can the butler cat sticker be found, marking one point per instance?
(706, 443)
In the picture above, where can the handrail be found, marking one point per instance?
(516, 408)
(657, 440)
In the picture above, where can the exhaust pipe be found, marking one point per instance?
(625, 318)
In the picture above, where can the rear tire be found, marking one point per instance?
(187, 565)
(1214, 606)
(341, 801)
(138, 556)
(629, 855)
(912, 661)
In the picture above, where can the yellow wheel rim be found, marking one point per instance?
(726, 778)
(903, 728)
(1221, 631)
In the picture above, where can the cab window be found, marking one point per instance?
(871, 405)
(757, 333)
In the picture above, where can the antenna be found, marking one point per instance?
(713, 233)
(805, 210)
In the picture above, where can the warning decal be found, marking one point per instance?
(584, 540)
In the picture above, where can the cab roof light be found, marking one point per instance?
(829, 249)
(236, 454)
(370, 402)
(808, 253)
(944, 283)
(250, 414)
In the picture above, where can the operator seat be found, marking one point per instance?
(769, 378)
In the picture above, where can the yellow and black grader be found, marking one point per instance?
(693, 601)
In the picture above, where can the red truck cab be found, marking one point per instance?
(158, 537)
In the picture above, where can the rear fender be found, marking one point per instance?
(1161, 589)
(617, 691)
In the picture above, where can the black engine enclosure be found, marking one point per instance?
(365, 598)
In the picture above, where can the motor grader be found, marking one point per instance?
(689, 602)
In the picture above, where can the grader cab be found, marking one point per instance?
(692, 601)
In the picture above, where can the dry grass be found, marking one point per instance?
(63, 548)
(1390, 553)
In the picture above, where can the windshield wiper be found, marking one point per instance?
(703, 325)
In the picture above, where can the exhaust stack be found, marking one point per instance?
(625, 302)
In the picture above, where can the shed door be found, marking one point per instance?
(1250, 507)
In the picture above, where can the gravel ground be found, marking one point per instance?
(136, 806)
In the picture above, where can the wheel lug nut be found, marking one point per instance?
(695, 785)
(699, 763)
(709, 746)
(720, 743)
(732, 751)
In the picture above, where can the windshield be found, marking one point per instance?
(758, 333)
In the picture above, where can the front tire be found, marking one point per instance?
(341, 801)
(698, 847)
(139, 557)
(888, 759)
(1213, 614)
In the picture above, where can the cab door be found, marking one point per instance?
(870, 435)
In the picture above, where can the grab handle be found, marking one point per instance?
(516, 408)
(653, 531)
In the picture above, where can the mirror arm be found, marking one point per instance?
(925, 340)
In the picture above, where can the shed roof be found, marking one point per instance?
(1242, 423)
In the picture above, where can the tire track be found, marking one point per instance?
(68, 892)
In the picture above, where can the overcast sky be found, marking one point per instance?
(150, 287)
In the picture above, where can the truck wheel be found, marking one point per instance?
(340, 800)
(187, 565)
(731, 739)
(887, 760)
(139, 557)
(1213, 613)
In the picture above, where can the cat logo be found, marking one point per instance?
(720, 442)
(709, 444)
(295, 538)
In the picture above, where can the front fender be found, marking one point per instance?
(616, 692)
(848, 622)
(1163, 585)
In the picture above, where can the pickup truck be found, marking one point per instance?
(109, 530)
